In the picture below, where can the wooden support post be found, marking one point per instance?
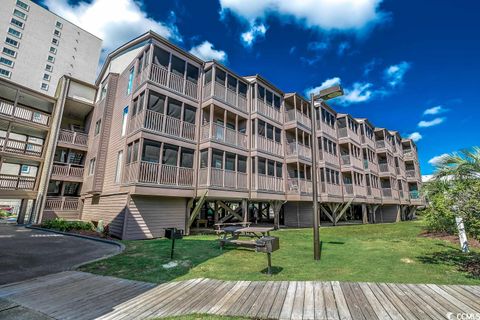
(215, 212)
(276, 206)
(364, 214)
(245, 210)
(398, 218)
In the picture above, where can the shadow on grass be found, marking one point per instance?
(464, 262)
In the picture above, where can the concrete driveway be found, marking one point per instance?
(27, 253)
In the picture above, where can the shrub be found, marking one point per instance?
(63, 225)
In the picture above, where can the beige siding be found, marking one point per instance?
(67, 215)
(149, 216)
(298, 214)
(110, 209)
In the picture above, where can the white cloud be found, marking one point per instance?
(250, 36)
(427, 177)
(114, 21)
(436, 160)
(318, 46)
(431, 123)
(435, 110)
(415, 136)
(342, 47)
(394, 74)
(328, 15)
(206, 51)
(358, 92)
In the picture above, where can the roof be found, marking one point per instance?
(262, 79)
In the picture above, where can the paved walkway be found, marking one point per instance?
(79, 295)
(27, 253)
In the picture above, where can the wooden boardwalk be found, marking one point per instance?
(79, 295)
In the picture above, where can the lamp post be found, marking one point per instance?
(323, 95)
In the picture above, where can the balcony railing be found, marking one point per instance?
(62, 203)
(24, 113)
(223, 134)
(159, 174)
(14, 182)
(67, 170)
(73, 137)
(268, 183)
(330, 189)
(20, 147)
(268, 111)
(299, 150)
(346, 160)
(160, 123)
(225, 95)
(298, 185)
(373, 192)
(348, 189)
(385, 167)
(382, 144)
(222, 178)
(414, 194)
(268, 145)
(387, 193)
(324, 127)
(348, 133)
(296, 115)
(411, 173)
(173, 81)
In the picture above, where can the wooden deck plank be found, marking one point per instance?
(366, 305)
(473, 299)
(269, 300)
(230, 297)
(287, 307)
(342, 307)
(319, 301)
(451, 299)
(330, 302)
(297, 309)
(472, 290)
(278, 303)
(395, 300)
(217, 295)
(267, 291)
(438, 301)
(423, 301)
(236, 305)
(354, 306)
(206, 292)
(375, 304)
(309, 301)
(387, 305)
(252, 299)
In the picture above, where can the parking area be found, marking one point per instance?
(27, 253)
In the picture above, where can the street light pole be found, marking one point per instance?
(316, 218)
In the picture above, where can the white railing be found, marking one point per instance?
(14, 182)
(158, 122)
(269, 183)
(328, 157)
(268, 145)
(220, 133)
(226, 179)
(383, 144)
(225, 95)
(330, 189)
(324, 127)
(173, 81)
(297, 185)
(67, 170)
(62, 203)
(20, 147)
(299, 150)
(73, 137)
(268, 111)
(297, 115)
(24, 113)
(155, 173)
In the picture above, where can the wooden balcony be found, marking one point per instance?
(225, 95)
(328, 157)
(348, 160)
(299, 186)
(323, 127)
(297, 116)
(386, 168)
(216, 132)
(158, 174)
(409, 154)
(15, 182)
(268, 145)
(348, 133)
(299, 150)
(367, 141)
(374, 192)
(62, 204)
(162, 77)
(330, 189)
(383, 144)
(370, 166)
(267, 183)
(390, 194)
(20, 147)
(267, 111)
(67, 172)
(412, 174)
(222, 178)
(74, 138)
(24, 113)
(160, 123)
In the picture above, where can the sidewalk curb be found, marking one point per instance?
(121, 246)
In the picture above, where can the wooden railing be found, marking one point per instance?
(330, 189)
(220, 133)
(299, 150)
(225, 95)
(348, 133)
(24, 113)
(346, 160)
(297, 185)
(324, 127)
(158, 122)
(177, 83)
(73, 137)
(268, 145)
(20, 147)
(383, 144)
(67, 170)
(348, 189)
(62, 203)
(223, 178)
(385, 167)
(328, 157)
(297, 115)
(411, 173)
(269, 183)
(155, 173)
(14, 182)
(268, 111)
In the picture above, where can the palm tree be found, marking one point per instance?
(459, 166)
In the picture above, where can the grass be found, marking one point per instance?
(374, 253)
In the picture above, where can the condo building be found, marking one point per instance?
(38, 47)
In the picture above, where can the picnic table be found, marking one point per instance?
(232, 234)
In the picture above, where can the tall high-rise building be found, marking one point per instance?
(38, 47)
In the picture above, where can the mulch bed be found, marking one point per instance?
(472, 243)
(92, 233)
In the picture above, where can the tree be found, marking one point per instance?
(462, 165)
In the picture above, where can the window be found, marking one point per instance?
(55, 41)
(186, 158)
(57, 33)
(49, 67)
(118, 170)
(208, 76)
(161, 57)
(103, 91)
(53, 50)
(151, 151)
(51, 59)
(19, 14)
(232, 83)
(44, 86)
(242, 164)
(59, 25)
(261, 93)
(269, 97)
(23, 5)
(156, 102)
(204, 158)
(5, 73)
(9, 52)
(24, 169)
(242, 89)
(170, 155)
(178, 66)
(46, 77)
(14, 33)
(91, 167)
(189, 114)
(17, 23)
(192, 73)
(174, 108)
(279, 169)
(217, 159)
(220, 76)
(11, 42)
(6, 61)
(230, 162)
(97, 126)
(124, 120)
(130, 80)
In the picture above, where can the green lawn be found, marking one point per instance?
(380, 253)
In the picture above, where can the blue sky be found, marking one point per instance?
(411, 66)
